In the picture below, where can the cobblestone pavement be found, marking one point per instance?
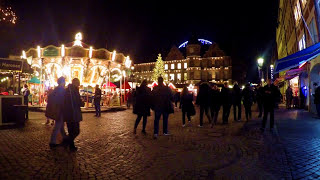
(299, 132)
(109, 150)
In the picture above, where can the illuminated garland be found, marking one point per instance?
(158, 70)
(7, 15)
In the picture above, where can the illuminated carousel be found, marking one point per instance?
(76, 60)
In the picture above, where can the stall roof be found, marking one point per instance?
(297, 58)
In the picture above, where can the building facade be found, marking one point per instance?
(298, 29)
(212, 66)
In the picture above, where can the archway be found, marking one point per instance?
(314, 78)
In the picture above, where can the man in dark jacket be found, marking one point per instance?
(317, 97)
(97, 100)
(26, 93)
(270, 94)
(289, 97)
(215, 103)
(162, 105)
(247, 94)
(259, 98)
(72, 112)
(226, 99)
(203, 99)
(236, 98)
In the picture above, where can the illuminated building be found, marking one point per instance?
(197, 65)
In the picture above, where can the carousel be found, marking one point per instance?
(76, 60)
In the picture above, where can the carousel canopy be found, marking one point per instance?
(34, 80)
(109, 85)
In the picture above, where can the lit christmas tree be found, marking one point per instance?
(158, 70)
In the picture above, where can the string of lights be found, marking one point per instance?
(7, 15)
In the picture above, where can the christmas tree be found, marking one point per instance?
(158, 70)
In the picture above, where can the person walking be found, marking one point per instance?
(162, 105)
(54, 110)
(26, 93)
(72, 113)
(247, 95)
(142, 105)
(236, 101)
(186, 105)
(203, 99)
(48, 119)
(215, 104)
(317, 98)
(259, 98)
(270, 94)
(97, 100)
(289, 97)
(226, 99)
(176, 98)
(129, 99)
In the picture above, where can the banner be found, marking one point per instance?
(10, 64)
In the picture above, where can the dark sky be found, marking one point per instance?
(243, 29)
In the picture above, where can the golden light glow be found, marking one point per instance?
(128, 62)
(114, 55)
(39, 51)
(78, 39)
(90, 52)
(62, 50)
(24, 56)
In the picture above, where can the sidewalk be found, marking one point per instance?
(299, 132)
(84, 109)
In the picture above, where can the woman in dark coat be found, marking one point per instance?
(247, 94)
(186, 105)
(142, 105)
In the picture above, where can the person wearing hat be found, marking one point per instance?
(54, 111)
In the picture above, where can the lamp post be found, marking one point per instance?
(260, 64)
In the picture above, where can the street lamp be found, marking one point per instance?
(260, 64)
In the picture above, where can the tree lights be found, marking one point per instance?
(7, 15)
(158, 70)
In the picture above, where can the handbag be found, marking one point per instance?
(192, 110)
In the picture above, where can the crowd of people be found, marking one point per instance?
(210, 100)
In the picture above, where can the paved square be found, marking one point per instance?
(108, 149)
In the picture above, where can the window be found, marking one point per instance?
(179, 65)
(297, 12)
(179, 76)
(185, 65)
(313, 31)
(172, 66)
(166, 66)
(172, 77)
(185, 76)
(302, 43)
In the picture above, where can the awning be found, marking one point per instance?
(297, 58)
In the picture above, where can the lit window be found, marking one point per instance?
(172, 66)
(179, 65)
(172, 77)
(185, 76)
(179, 76)
(302, 43)
(185, 65)
(297, 12)
(166, 66)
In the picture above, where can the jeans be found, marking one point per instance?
(214, 113)
(235, 111)
(267, 110)
(74, 131)
(58, 127)
(226, 112)
(157, 116)
(205, 109)
(184, 117)
(97, 107)
(247, 108)
(138, 121)
(318, 109)
(260, 106)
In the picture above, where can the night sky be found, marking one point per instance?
(245, 30)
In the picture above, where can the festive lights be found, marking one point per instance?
(90, 52)
(7, 15)
(39, 51)
(203, 41)
(128, 62)
(62, 51)
(24, 56)
(114, 55)
(158, 70)
(78, 39)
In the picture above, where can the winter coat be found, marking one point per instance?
(259, 95)
(97, 95)
(162, 99)
(317, 95)
(236, 94)
(247, 95)
(226, 96)
(55, 103)
(142, 104)
(72, 104)
(289, 95)
(203, 98)
(270, 95)
(186, 102)
(215, 98)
